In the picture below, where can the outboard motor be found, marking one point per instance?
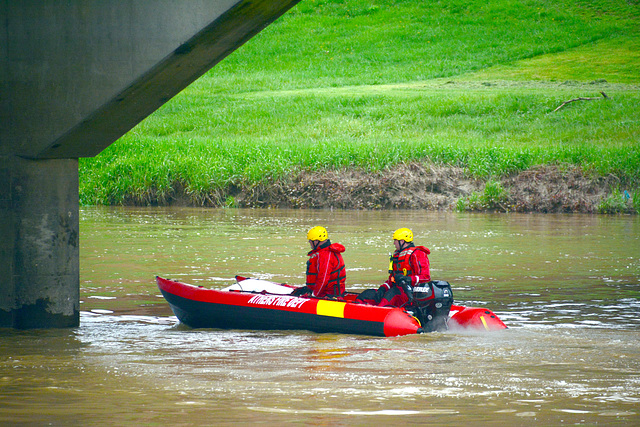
(431, 304)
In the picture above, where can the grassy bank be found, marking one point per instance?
(371, 85)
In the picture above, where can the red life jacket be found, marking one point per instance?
(401, 263)
(326, 273)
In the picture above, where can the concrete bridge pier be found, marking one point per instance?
(39, 257)
(76, 75)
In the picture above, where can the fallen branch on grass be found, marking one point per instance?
(604, 96)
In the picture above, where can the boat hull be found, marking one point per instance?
(198, 307)
(477, 318)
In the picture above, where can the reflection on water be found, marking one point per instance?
(567, 286)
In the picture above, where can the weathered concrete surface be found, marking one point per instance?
(40, 249)
(75, 75)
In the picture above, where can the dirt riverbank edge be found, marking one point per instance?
(546, 189)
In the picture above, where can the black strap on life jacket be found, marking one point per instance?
(340, 276)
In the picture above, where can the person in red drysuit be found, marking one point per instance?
(326, 273)
(408, 266)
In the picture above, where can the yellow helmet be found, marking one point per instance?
(318, 233)
(403, 234)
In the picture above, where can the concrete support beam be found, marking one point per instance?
(76, 75)
(39, 255)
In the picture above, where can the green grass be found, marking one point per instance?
(617, 58)
(494, 197)
(619, 202)
(336, 84)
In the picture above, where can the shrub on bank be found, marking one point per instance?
(619, 202)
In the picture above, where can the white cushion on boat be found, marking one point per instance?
(258, 285)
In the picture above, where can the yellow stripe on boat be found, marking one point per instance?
(484, 323)
(330, 308)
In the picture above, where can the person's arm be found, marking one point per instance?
(324, 270)
(420, 265)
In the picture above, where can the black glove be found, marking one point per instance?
(398, 278)
(304, 290)
(402, 280)
(404, 283)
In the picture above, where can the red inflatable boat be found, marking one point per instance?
(259, 304)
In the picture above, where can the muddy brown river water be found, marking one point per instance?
(568, 287)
